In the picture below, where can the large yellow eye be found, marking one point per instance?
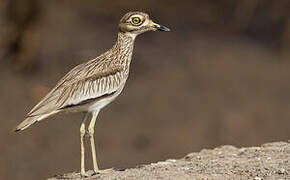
(136, 20)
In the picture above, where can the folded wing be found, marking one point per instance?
(80, 85)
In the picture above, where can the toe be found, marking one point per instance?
(84, 174)
(104, 171)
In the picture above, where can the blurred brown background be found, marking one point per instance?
(221, 76)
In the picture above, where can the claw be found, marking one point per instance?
(84, 174)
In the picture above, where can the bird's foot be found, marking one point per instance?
(84, 174)
(103, 171)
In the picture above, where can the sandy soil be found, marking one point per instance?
(270, 161)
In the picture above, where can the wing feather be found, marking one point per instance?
(79, 85)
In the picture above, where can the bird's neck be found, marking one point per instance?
(124, 47)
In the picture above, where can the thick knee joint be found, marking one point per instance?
(91, 131)
(82, 131)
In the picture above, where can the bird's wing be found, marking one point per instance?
(85, 82)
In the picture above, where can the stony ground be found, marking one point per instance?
(270, 161)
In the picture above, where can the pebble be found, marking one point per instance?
(281, 171)
(171, 160)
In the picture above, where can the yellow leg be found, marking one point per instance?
(91, 133)
(82, 134)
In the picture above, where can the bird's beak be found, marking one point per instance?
(159, 27)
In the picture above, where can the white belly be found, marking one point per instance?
(99, 104)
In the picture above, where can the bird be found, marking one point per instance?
(92, 85)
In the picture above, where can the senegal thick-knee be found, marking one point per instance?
(94, 84)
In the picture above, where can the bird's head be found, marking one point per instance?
(136, 23)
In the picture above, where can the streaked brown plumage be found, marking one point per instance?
(93, 79)
(92, 85)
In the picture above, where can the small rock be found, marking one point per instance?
(162, 163)
(254, 148)
(281, 171)
(187, 168)
(274, 144)
(242, 151)
(228, 147)
(171, 160)
(190, 156)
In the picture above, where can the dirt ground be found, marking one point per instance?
(270, 161)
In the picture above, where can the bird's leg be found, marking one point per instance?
(82, 133)
(91, 134)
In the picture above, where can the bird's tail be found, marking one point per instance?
(30, 120)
